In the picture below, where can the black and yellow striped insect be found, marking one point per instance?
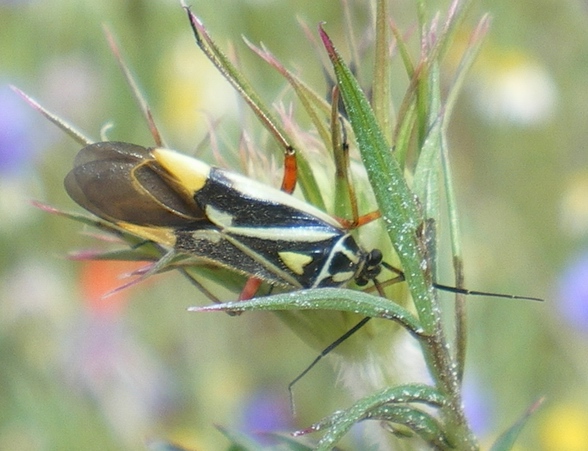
(227, 219)
(219, 216)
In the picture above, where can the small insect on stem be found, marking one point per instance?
(225, 219)
(379, 286)
(218, 216)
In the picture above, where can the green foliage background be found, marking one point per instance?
(174, 375)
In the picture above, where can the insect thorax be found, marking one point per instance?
(344, 263)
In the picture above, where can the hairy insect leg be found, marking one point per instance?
(343, 167)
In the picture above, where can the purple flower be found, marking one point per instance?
(478, 406)
(573, 293)
(16, 137)
(263, 412)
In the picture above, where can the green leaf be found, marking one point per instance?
(239, 441)
(243, 442)
(427, 173)
(287, 443)
(259, 108)
(381, 85)
(68, 129)
(384, 405)
(396, 202)
(84, 219)
(139, 98)
(507, 440)
(127, 255)
(315, 106)
(421, 423)
(340, 299)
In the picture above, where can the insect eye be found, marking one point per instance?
(373, 264)
(374, 258)
(361, 282)
(371, 268)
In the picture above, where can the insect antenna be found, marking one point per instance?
(456, 290)
(322, 354)
(465, 291)
(379, 287)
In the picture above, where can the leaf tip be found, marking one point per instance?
(46, 208)
(332, 52)
(207, 308)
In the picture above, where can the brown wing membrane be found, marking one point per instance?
(121, 182)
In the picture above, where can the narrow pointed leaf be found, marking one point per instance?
(315, 106)
(395, 201)
(239, 441)
(325, 299)
(69, 129)
(139, 98)
(428, 173)
(384, 405)
(403, 51)
(420, 422)
(381, 85)
(129, 255)
(247, 92)
(507, 440)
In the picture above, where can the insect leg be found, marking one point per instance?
(290, 176)
(289, 180)
(343, 179)
(342, 169)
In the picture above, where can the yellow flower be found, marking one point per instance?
(565, 428)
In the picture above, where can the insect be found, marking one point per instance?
(225, 218)
(217, 215)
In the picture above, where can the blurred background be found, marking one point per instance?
(77, 372)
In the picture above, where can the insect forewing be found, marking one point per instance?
(121, 182)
